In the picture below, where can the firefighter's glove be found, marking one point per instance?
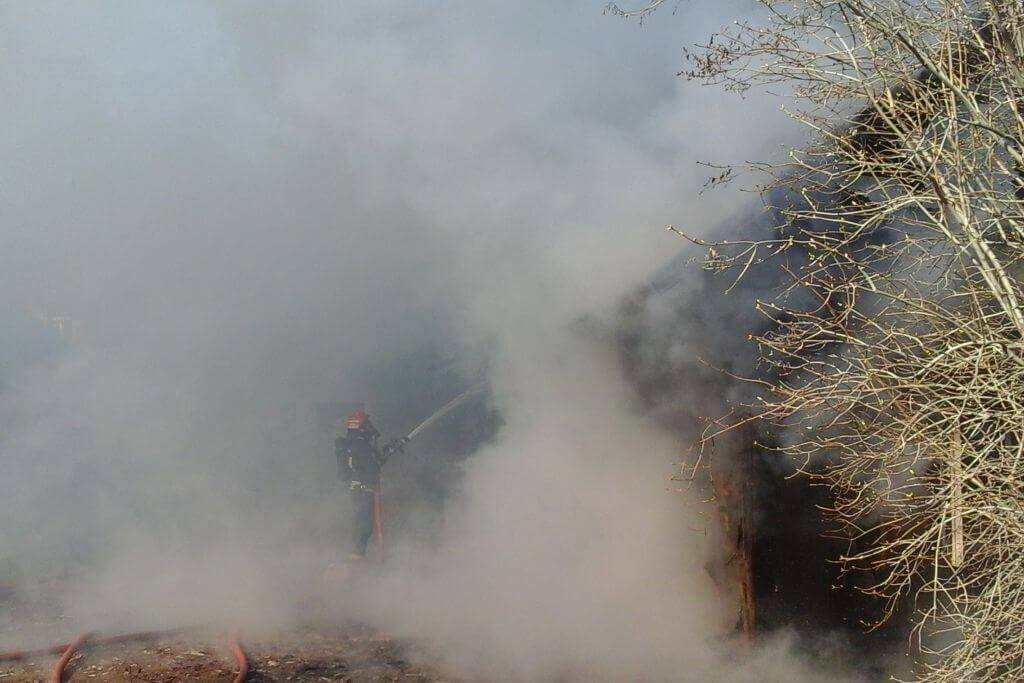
(396, 446)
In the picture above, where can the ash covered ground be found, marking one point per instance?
(322, 647)
(314, 652)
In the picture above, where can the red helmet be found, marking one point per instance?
(356, 419)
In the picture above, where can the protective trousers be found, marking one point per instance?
(362, 520)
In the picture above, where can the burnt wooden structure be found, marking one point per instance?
(733, 483)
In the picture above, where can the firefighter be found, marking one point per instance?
(359, 462)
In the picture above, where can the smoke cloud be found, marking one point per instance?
(246, 209)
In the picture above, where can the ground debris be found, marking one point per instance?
(350, 654)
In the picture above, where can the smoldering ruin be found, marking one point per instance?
(229, 226)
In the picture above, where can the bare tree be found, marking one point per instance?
(895, 357)
(640, 12)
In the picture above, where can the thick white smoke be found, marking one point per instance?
(244, 205)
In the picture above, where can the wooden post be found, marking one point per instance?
(734, 491)
(745, 537)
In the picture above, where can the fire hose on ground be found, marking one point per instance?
(107, 640)
(240, 658)
(68, 650)
(57, 674)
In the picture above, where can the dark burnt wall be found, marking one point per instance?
(680, 340)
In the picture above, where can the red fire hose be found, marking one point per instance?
(57, 673)
(108, 640)
(243, 661)
(378, 522)
(68, 650)
(26, 654)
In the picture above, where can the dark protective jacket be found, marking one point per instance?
(359, 459)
